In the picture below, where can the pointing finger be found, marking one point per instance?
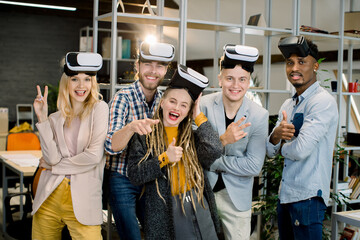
(151, 121)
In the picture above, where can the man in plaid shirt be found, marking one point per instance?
(131, 110)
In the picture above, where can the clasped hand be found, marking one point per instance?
(44, 164)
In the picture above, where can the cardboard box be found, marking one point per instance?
(106, 47)
(86, 44)
(4, 120)
(3, 141)
(352, 21)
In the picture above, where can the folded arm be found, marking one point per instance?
(93, 153)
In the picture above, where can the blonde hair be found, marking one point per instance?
(156, 143)
(64, 102)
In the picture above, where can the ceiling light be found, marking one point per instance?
(39, 5)
(150, 38)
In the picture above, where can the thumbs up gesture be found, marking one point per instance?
(173, 152)
(285, 131)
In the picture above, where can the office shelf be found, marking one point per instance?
(351, 93)
(241, 29)
(349, 147)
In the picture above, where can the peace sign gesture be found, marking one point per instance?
(234, 132)
(40, 104)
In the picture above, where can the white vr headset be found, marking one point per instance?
(82, 62)
(189, 79)
(240, 54)
(161, 52)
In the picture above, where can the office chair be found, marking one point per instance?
(18, 227)
(14, 142)
(22, 141)
(21, 227)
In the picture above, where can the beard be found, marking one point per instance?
(297, 85)
(151, 85)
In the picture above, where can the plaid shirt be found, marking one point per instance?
(127, 105)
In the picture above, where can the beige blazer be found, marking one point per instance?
(86, 168)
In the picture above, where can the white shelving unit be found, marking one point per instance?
(183, 23)
(87, 32)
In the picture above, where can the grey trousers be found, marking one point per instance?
(194, 224)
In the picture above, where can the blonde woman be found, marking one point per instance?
(169, 162)
(72, 141)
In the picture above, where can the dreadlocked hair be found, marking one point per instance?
(156, 143)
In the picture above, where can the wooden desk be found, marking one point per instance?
(344, 217)
(21, 171)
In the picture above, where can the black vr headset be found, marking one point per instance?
(190, 80)
(296, 45)
(82, 62)
(239, 54)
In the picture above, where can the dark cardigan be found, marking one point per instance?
(158, 214)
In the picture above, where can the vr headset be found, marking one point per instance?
(82, 62)
(190, 80)
(161, 52)
(296, 45)
(239, 54)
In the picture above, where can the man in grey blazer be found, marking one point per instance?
(243, 128)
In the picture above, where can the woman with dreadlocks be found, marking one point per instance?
(169, 162)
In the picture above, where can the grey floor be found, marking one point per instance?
(114, 234)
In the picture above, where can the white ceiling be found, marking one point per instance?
(200, 43)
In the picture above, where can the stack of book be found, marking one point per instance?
(344, 190)
(355, 186)
(350, 233)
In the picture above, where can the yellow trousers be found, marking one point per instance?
(56, 212)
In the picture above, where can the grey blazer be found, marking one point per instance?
(243, 160)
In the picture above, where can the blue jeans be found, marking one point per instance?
(126, 206)
(301, 220)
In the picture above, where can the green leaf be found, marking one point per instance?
(321, 60)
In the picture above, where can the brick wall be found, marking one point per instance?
(31, 48)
